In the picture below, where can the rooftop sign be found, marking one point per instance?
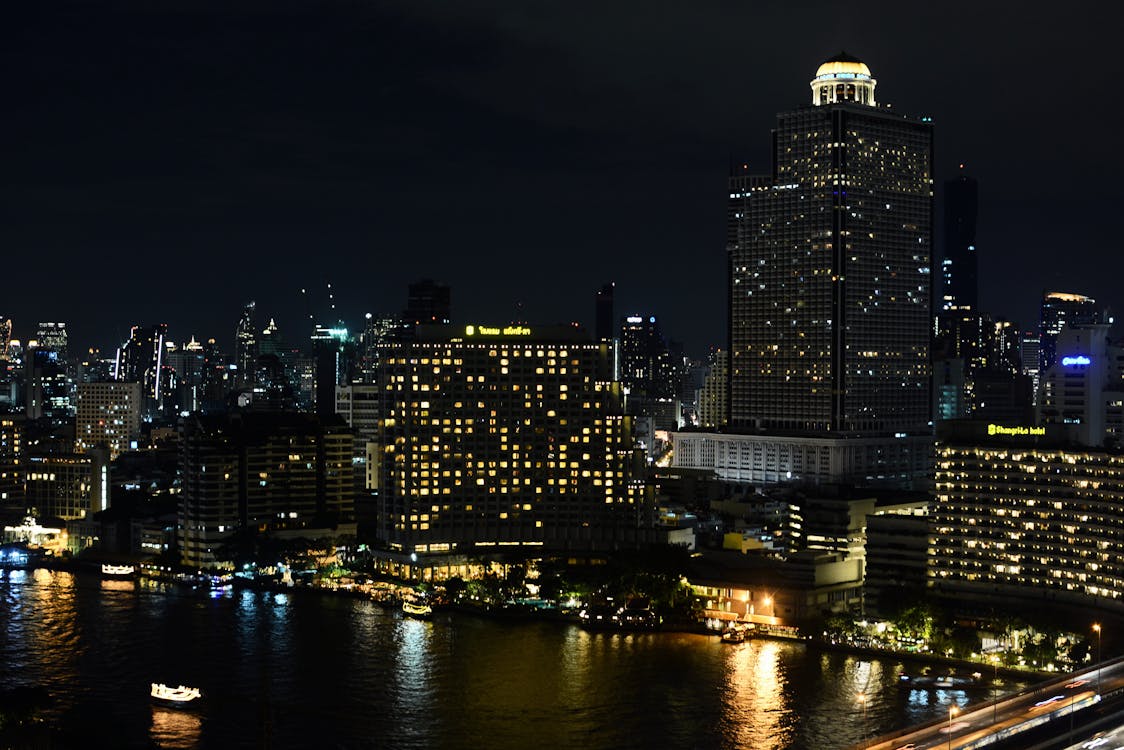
(497, 331)
(998, 429)
(1078, 359)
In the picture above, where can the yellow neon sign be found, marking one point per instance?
(998, 429)
(497, 331)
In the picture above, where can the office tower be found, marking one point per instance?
(830, 260)
(1058, 310)
(647, 368)
(109, 414)
(47, 385)
(5, 337)
(53, 336)
(1020, 514)
(960, 266)
(712, 397)
(1028, 359)
(271, 471)
(141, 360)
(378, 330)
(245, 346)
(11, 462)
(270, 341)
(649, 372)
(1082, 391)
(604, 328)
(334, 351)
(504, 437)
(188, 363)
(428, 302)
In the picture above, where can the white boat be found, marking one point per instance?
(414, 609)
(178, 697)
(733, 635)
(117, 571)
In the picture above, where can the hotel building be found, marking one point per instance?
(1022, 513)
(504, 437)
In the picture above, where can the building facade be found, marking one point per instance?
(504, 437)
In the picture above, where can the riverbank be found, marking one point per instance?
(388, 594)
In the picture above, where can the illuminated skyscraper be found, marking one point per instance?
(830, 261)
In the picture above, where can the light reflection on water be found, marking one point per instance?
(175, 729)
(301, 670)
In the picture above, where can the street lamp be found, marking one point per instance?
(1097, 630)
(952, 711)
(994, 679)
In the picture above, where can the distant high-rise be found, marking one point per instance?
(246, 345)
(830, 268)
(5, 337)
(333, 350)
(141, 360)
(604, 328)
(646, 366)
(109, 414)
(53, 336)
(428, 302)
(379, 329)
(1061, 309)
(959, 266)
(713, 409)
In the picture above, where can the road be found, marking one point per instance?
(985, 724)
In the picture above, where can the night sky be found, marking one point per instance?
(170, 160)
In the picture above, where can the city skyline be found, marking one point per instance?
(254, 151)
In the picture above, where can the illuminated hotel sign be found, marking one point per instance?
(1079, 359)
(998, 429)
(496, 331)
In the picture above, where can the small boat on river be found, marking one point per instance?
(117, 571)
(418, 609)
(733, 636)
(177, 697)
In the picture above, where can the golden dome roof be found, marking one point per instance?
(845, 65)
(833, 68)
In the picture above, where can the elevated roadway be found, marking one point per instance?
(1041, 714)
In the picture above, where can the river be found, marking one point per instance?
(303, 669)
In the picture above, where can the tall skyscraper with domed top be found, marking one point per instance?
(830, 268)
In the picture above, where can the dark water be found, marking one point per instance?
(305, 670)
